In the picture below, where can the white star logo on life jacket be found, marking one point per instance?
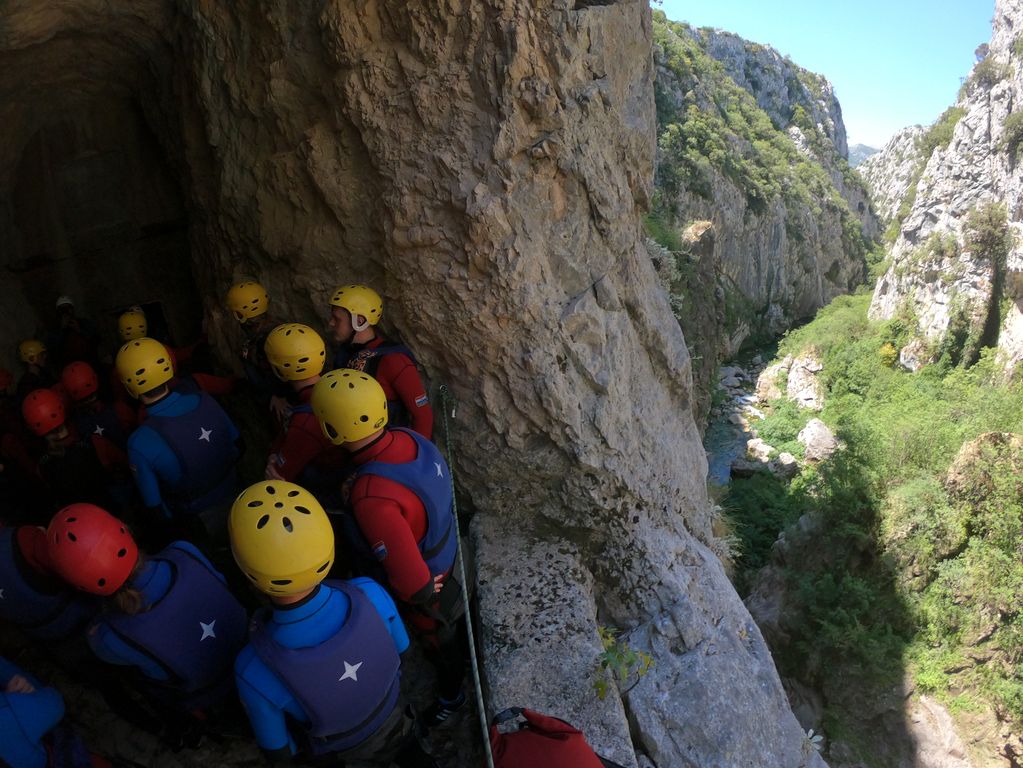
(98, 431)
(207, 630)
(440, 472)
(204, 434)
(350, 672)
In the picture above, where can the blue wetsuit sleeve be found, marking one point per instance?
(109, 647)
(388, 611)
(265, 715)
(142, 470)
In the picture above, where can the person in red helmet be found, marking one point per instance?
(107, 425)
(170, 617)
(69, 468)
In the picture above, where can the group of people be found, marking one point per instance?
(125, 541)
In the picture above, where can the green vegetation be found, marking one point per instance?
(911, 564)
(1012, 137)
(939, 134)
(711, 129)
(625, 664)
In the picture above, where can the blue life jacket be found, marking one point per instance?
(427, 477)
(194, 631)
(26, 600)
(347, 685)
(201, 442)
(25, 718)
(368, 360)
(103, 423)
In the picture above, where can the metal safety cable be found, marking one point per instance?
(480, 708)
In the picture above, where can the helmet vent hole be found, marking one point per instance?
(333, 384)
(256, 503)
(278, 505)
(303, 510)
(263, 521)
(303, 359)
(323, 567)
(364, 418)
(286, 522)
(102, 582)
(281, 582)
(140, 371)
(271, 490)
(122, 552)
(72, 537)
(70, 519)
(331, 432)
(292, 494)
(161, 361)
(251, 577)
(350, 385)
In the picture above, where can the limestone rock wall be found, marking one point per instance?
(486, 165)
(977, 167)
(889, 173)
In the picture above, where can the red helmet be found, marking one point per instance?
(80, 380)
(91, 549)
(43, 411)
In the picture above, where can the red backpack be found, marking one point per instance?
(522, 738)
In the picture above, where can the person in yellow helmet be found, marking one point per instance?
(183, 454)
(34, 354)
(321, 677)
(355, 311)
(402, 503)
(249, 304)
(301, 452)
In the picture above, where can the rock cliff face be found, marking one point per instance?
(756, 146)
(889, 173)
(938, 271)
(778, 85)
(485, 165)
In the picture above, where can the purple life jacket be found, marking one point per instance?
(194, 631)
(427, 477)
(201, 442)
(27, 600)
(104, 423)
(347, 685)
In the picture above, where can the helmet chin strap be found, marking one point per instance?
(356, 325)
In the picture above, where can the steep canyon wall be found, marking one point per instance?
(485, 165)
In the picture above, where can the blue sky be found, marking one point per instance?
(893, 63)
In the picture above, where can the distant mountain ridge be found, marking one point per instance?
(860, 152)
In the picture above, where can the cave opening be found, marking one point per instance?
(98, 214)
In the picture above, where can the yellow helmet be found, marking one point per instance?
(132, 324)
(281, 537)
(349, 405)
(295, 352)
(143, 365)
(359, 300)
(247, 300)
(30, 350)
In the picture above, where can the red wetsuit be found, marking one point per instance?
(301, 442)
(398, 377)
(392, 518)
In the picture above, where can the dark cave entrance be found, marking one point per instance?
(97, 213)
